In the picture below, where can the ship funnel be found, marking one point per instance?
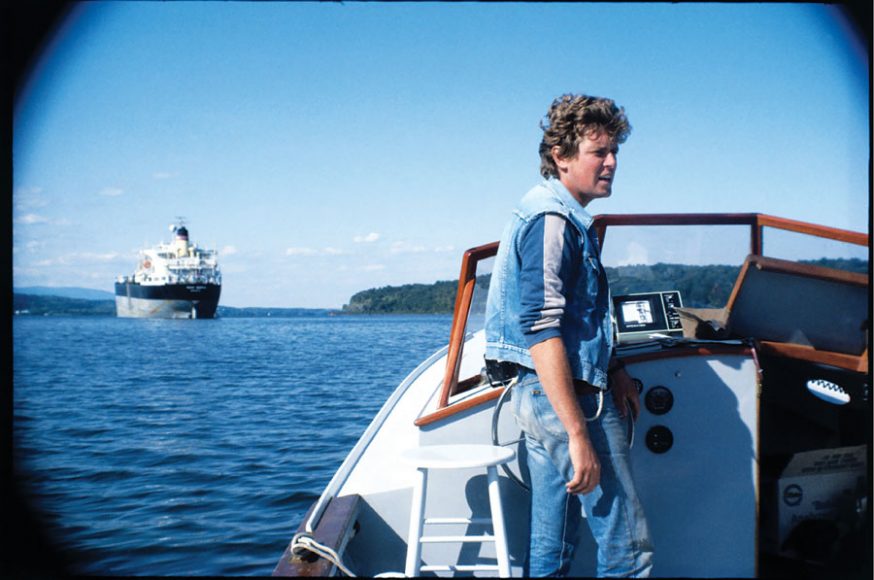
(181, 241)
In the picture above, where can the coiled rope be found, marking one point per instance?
(304, 542)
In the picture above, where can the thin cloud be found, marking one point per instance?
(29, 198)
(368, 239)
(31, 219)
(88, 257)
(301, 252)
(328, 251)
(111, 191)
(407, 248)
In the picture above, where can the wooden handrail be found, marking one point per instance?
(676, 219)
(819, 231)
(712, 219)
(446, 411)
(755, 220)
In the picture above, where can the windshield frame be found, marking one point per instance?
(756, 222)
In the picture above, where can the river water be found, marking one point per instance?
(174, 447)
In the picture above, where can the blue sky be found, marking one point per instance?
(327, 148)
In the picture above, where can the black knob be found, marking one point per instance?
(659, 439)
(659, 400)
(639, 384)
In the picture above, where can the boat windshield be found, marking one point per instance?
(795, 246)
(699, 255)
(701, 262)
(476, 320)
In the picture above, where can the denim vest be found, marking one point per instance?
(586, 327)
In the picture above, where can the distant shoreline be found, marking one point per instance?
(701, 286)
(49, 305)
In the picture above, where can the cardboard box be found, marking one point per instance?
(695, 322)
(821, 488)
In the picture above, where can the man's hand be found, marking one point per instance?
(587, 468)
(625, 393)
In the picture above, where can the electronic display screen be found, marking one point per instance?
(639, 315)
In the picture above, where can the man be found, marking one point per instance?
(548, 320)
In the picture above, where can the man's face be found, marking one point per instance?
(589, 175)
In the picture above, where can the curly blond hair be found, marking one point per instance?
(570, 118)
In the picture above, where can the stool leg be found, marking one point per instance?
(498, 524)
(417, 521)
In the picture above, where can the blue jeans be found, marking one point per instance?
(612, 509)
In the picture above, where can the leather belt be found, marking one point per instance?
(584, 388)
(502, 372)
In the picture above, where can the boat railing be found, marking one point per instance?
(755, 221)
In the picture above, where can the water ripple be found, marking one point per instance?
(156, 447)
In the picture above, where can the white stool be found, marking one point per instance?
(456, 457)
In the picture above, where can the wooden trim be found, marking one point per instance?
(445, 412)
(738, 282)
(809, 271)
(468, 384)
(849, 362)
(840, 235)
(858, 363)
(333, 531)
(681, 351)
(756, 239)
(492, 394)
(791, 268)
(466, 285)
(756, 220)
(676, 219)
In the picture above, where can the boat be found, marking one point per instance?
(175, 280)
(747, 337)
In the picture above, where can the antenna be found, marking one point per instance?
(180, 222)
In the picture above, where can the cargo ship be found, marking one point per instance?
(176, 280)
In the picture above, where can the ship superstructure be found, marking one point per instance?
(175, 280)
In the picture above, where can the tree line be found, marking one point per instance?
(700, 287)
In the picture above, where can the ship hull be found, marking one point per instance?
(134, 300)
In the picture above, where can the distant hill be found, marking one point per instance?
(408, 299)
(36, 305)
(700, 287)
(66, 292)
